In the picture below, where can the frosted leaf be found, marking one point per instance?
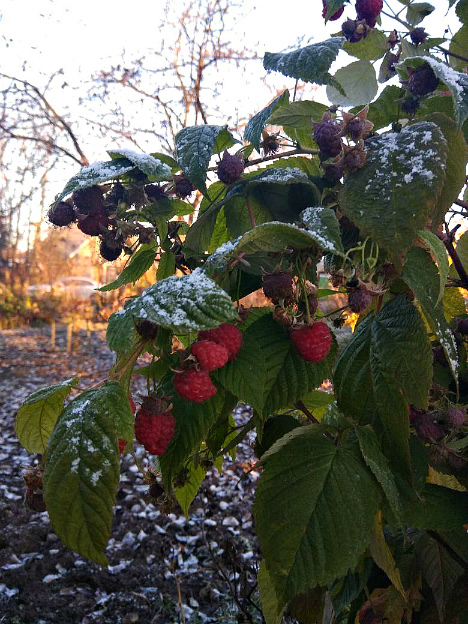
(153, 167)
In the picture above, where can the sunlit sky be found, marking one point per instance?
(40, 37)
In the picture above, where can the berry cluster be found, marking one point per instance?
(313, 342)
(154, 425)
(367, 13)
(213, 349)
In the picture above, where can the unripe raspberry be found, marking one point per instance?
(369, 10)
(154, 429)
(62, 214)
(88, 199)
(94, 224)
(335, 16)
(226, 334)
(455, 417)
(418, 35)
(277, 285)
(209, 354)
(110, 252)
(359, 299)
(422, 81)
(230, 168)
(194, 385)
(326, 135)
(313, 342)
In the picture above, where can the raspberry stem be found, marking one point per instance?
(251, 214)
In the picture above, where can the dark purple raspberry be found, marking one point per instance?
(154, 192)
(457, 462)
(110, 251)
(183, 187)
(147, 329)
(278, 285)
(335, 15)
(117, 194)
(462, 327)
(426, 429)
(418, 35)
(94, 224)
(369, 10)
(422, 81)
(88, 199)
(353, 30)
(455, 417)
(62, 214)
(410, 105)
(326, 135)
(230, 168)
(356, 128)
(359, 299)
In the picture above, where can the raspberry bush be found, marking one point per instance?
(343, 215)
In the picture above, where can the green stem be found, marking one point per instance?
(251, 214)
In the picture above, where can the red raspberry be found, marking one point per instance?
(123, 443)
(154, 429)
(313, 342)
(209, 354)
(369, 10)
(226, 334)
(335, 16)
(194, 385)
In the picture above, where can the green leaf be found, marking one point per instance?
(310, 64)
(308, 608)
(298, 114)
(195, 146)
(156, 170)
(359, 83)
(457, 82)
(38, 414)
(369, 48)
(94, 174)
(274, 429)
(462, 251)
(439, 254)
(82, 471)
(140, 262)
(391, 197)
(377, 462)
(254, 127)
(453, 304)
(459, 45)
(268, 373)
(323, 225)
(166, 266)
(272, 612)
(383, 556)
(438, 508)
(193, 422)
(440, 571)
(224, 141)
(384, 110)
(455, 166)
(186, 494)
(332, 7)
(462, 11)
(182, 304)
(421, 275)
(167, 160)
(417, 12)
(386, 365)
(306, 533)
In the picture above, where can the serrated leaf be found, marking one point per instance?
(417, 11)
(384, 110)
(306, 533)
(386, 365)
(332, 7)
(268, 373)
(459, 45)
(453, 304)
(391, 197)
(455, 166)
(254, 127)
(369, 48)
(298, 114)
(440, 571)
(193, 422)
(186, 494)
(140, 262)
(378, 464)
(82, 471)
(224, 141)
(156, 170)
(421, 275)
(457, 82)
(182, 304)
(310, 64)
(437, 508)
(272, 612)
(309, 608)
(323, 225)
(439, 254)
(166, 266)
(383, 556)
(358, 82)
(38, 414)
(167, 160)
(195, 146)
(462, 11)
(94, 174)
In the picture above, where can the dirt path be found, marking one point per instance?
(163, 568)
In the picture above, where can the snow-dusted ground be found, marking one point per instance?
(159, 564)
